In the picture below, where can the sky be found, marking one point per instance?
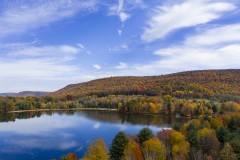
(48, 44)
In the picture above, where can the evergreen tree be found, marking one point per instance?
(145, 134)
(118, 144)
(193, 139)
(233, 125)
(223, 134)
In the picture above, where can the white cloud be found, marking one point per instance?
(123, 16)
(120, 5)
(65, 52)
(97, 66)
(80, 45)
(121, 65)
(193, 57)
(215, 36)
(187, 14)
(36, 67)
(118, 10)
(211, 48)
(83, 48)
(119, 32)
(33, 68)
(119, 48)
(21, 17)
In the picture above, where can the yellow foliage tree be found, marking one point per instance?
(153, 149)
(180, 147)
(97, 151)
(132, 152)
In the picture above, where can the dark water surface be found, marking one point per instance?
(48, 135)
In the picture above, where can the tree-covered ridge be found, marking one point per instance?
(224, 84)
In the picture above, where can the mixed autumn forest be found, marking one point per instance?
(210, 98)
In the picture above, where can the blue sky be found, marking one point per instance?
(47, 44)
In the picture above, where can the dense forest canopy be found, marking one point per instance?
(192, 84)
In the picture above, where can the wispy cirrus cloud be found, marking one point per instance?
(66, 52)
(216, 36)
(168, 18)
(121, 65)
(123, 10)
(211, 48)
(21, 17)
(97, 66)
(119, 48)
(31, 64)
(118, 10)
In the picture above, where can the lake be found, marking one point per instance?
(49, 135)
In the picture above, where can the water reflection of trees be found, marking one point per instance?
(11, 117)
(115, 117)
(103, 116)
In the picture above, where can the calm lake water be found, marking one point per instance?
(48, 135)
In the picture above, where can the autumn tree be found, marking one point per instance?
(69, 156)
(132, 151)
(227, 153)
(153, 149)
(179, 146)
(209, 142)
(97, 151)
(216, 123)
(165, 136)
(168, 104)
(118, 145)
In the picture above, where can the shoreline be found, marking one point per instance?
(72, 109)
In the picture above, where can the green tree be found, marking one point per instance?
(118, 144)
(223, 134)
(145, 134)
(153, 149)
(233, 124)
(97, 151)
(235, 143)
(227, 153)
(193, 139)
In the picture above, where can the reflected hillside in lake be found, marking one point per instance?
(48, 135)
(102, 116)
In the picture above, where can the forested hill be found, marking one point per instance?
(191, 84)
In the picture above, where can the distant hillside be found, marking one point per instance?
(25, 94)
(198, 84)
